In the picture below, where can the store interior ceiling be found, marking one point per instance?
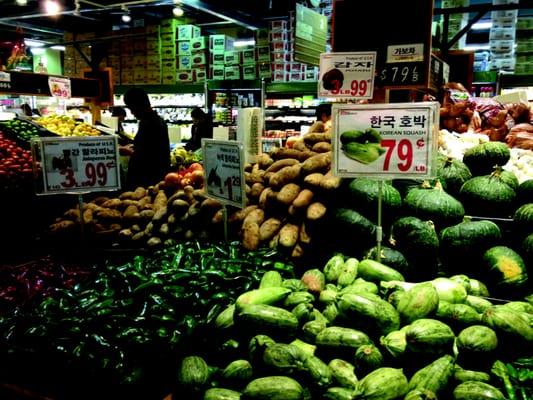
(31, 19)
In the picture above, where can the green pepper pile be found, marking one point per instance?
(131, 323)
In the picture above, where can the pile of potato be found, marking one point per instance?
(287, 191)
(145, 217)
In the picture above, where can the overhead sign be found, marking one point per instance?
(224, 166)
(347, 75)
(310, 35)
(77, 164)
(385, 140)
(60, 87)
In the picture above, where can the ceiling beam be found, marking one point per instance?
(224, 15)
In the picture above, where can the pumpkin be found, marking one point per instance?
(405, 185)
(506, 268)
(509, 178)
(524, 193)
(390, 257)
(452, 174)
(523, 218)
(363, 195)
(433, 203)
(351, 230)
(527, 249)
(488, 196)
(469, 237)
(481, 159)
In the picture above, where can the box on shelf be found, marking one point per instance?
(248, 56)
(168, 67)
(311, 75)
(261, 37)
(184, 76)
(188, 32)
(126, 63)
(153, 29)
(139, 62)
(495, 15)
(153, 77)
(279, 36)
(231, 58)
(153, 47)
(217, 72)
(217, 57)
(153, 62)
(280, 76)
(279, 46)
(199, 44)
(139, 46)
(184, 62)
(249, 71)
(184, 47)
(167, 39)
(168, 53)
(501, 46)
(220, 42)
(296, 67)
(168, 79)
(504, 23)
(263, 70)
(278, 25)
(199, 74)
(232, 72)
(126, 77)
(296, 76)
(168, 25)
(198, 60)
(262, 53)
(502, 34)
(280, 66)
(112, 61)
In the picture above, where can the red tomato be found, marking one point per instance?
(172, 179)
(195, 167)
(197, 178)
(185, 182)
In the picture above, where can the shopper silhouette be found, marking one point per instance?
(201, 128)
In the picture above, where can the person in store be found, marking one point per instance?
(323, 119)
(201, 128)
(120, 113)
(150, 151)
(26, 110)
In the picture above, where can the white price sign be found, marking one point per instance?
(60, 87)
(385, 140)
(80, 164)
(347, 75)
(224, 167)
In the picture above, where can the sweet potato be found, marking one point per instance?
(297, 252)
(126, 203)
(218, 218)
(284, 153)
(304, 236)
(317, 163)
(303, 199)
(250, 237)
(130, 212)
(100, 200)
(125, 234)
(285, 175)
(73, 214)
(254, 177)
(108, 214)
(210, 204)
(61, 226)
(322, 147)
(265, 197)
(330, 182)
(160, 215)
(279, 164)
(316, 211)
(300, 145)
(88, 216)
(312, 138)
(139, 193)
(264, 160)
(112, 203)
(160, 201)
(304, 155)
(314, 180)
(288, 193)
(269, 229)
(240, 215)
(256, 190)
(247, 189)
(147, 215)
(144, 202)
(256, 216)
(126, 195)
(288, 235)
(248, 167)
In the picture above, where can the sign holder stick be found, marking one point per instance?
(225, 222)
(82, 220)
(379, 229)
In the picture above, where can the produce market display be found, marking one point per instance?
(64, 125)
(15, 165)
(21, 129)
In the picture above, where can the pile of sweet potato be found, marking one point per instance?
(287, 191)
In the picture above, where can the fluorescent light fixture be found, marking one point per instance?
(22, 2)
(476, 47)
(58, 47)
(51, 7)
(37, 50)
(244, 42)
(33, 43)
(482, 25)
(178, 11)
(126, 18)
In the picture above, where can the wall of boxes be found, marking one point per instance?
(456, 21)
(524, 45)
(502, 37)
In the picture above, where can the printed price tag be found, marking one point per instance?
(405, 53)
(81, 164)
(347, 75)
(59, 87)
(384, 141)
(223, 164)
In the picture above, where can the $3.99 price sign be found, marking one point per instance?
(223, 163)
(81, 164)
(385, 141)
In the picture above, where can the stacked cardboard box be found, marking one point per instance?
(74, 62)
(191, 59)
(456, 21)
(223, 59)
(502, 37)
(524, 45)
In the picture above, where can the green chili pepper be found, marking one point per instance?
(499, 369)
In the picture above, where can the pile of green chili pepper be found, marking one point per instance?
(133, 320)
(517, 378)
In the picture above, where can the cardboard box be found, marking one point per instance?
(220, 42)
(152, 29)
(502, 46)
(217, 72)
(184, 76)
(168, 25)
(278, 25)
(296, 67)
(281, 67)
(199, 74)
(278, 46)
(232, 58)
(249, 71)
(126, 63)
(295, 77)
(262, 53)
(168, 68)
(280, 76)
(112, 61)
(167, 39)
(502, 34)
(232, 73)
(168, 80)
(153, 75)
(279, 36)
(263, 70)
(184, 62)
(139, 46)
(153, 62)
(153, 47)
(168, 53)
(199, 44)
(217, 57)
(261, 37)
(198, 60)
(188, 32)
(139, 62)
(183, 47)
(126, 77)
(280, 56)
(248, 56)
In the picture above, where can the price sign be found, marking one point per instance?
(385, 141)
(403, 74)
(223, 164)
(59, 87)
(347, 75)
(5, 81)
(73, 165)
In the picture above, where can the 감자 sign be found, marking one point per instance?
(385, 140)
(74, 165)
(224, 167)
(347, 75)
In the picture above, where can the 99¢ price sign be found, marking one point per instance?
(81, 164)
(347, 75)
(223, 162)
(385, 141)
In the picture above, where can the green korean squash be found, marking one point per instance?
(363, 196)
(523, 218)
(391, 257)
(524, 193)
(481, 159)
(452, 174)
(506, 268)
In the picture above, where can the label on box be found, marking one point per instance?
(167, 39)
(279, 25)
(139, 61)
(263, 53)
(184, 76)
(199, 43)
(279, 46)
(168, 53)
(280, 56)
(184, 48)
(187, 32)
(261, 36)
(220, 42)
(126, 63)
(280, 66)
(198, 59)
(217, 72)
(217, 57)
(184, 62)
(232, 73)
(264, 70)
(248, 56)
(248, 71)
(231, 58)
(279, 36)
(200, 74)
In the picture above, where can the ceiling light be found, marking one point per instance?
(126, 17)
(476, 47)
(37, 50)
(58, 47)
(22, 2)
(482, 25)
(178, 11)
(33, 43)
(51, 7)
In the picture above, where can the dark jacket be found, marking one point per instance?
(199, 131)
(150, 161)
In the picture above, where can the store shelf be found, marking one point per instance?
(292, 87)
(164, 89)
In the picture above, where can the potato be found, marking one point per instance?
(130, 212)
(126, 203)
(303, 199)
(147, 215)
(160, 215)
(330, 182)
(285, 175)
(189, 234)
(175, 196)
(257, 176)
(284, 153)
(300, 145)
(153, 242)
(288, 193)
(279, 164)
(138, 236)
(88, 216)
(172, 220)
(218, 218)
(256, 190)
(115, 227)
(126, 195)
(256, 216)
(297, 252)
(189, 193)
(248, 167)
(125, 234)
(241, 214)
(267, 176)
(288, 235)
(304, 236)
(247, 189)
(274, 242)
(317, 163)
(292, 211)
(139, 193)
(314, 180)
(108, 214)
(312, 138)
(194, 210)
(91, 206)
(153, 190)
(135, 228)
(149, 229)
(304, 155)
(144, 202)
(199, 194)
(250, 237)
(160, 201)
(318, 127)
(264, 160)
(269, 229)
(61, 226)
(73, 214)
(164, 229)
(316, 211)
(100, 200)
(211, 205)
(321, 147)
(264, 198)
(112, 203)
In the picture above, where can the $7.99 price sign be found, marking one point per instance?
(223, 163)
(385, 141)
(81, 164)
(347, 75)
